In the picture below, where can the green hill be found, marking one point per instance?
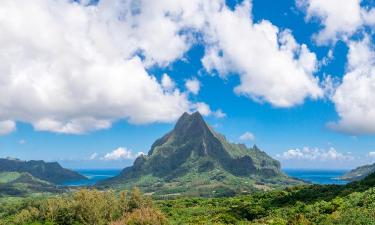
(23, 184)
(358, 173)
(48, 171)
(195, 160)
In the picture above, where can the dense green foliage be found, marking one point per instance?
(48, 171)
(350, 204)
(84, 207)
(195, 160)
(302, 205)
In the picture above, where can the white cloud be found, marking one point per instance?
(219, 114)
(167, 83)
(354, 97)
(315, 154)
(247, 136)
(72, 69)
(121, 153)
(371, 154)
(93, 156)
(202, 108)
(205, 110)
(7, 127)
(369, 16)
(335, 25)
(193, 85)
(340, 20)
(22, 141)
(272, 66)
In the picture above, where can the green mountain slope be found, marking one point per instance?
(22, 184)
(358, 173)
(193, 159)
(300, 205)
(51, 172)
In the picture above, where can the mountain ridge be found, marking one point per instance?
(52, 172)
(358, 173)
(24, 184)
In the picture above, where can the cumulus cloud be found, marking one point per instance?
(315, 154)
(354, 97)
(121, 153)
(73, 67)
(336, 26)
(247, 136)
(339, 20)
(371, 154)
(7, 127)
(193, 85)
(272, 66)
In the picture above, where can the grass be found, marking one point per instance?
(7, 177)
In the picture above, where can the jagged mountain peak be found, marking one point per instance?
(194, 152)
(190, 122)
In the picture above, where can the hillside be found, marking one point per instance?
(195, 160)
(24, 184)
(359, 173)
(300, 205)
(47, 171)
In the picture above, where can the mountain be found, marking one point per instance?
(23, 184)
(359, 173)
(193, 159)
(47, 171)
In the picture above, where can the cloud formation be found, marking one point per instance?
(193, 85)
(93, 156)
(247, 136)
(272, 66)
(330, 13)
(340, 21)
(354, 97)
(70, 67)
(315, 154)
(7, 127)
(121, 153)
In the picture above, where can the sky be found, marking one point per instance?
(92, 84)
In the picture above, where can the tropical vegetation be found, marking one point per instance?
(352, 204)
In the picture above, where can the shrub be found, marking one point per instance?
(23, 217)
(143, 216)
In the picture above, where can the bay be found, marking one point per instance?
(314, 176)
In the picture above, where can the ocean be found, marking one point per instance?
(93, 175)
(317, 176)
(313, 176)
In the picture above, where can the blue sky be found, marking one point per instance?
(91, 91)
